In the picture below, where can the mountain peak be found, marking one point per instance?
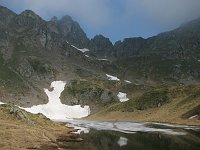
(54, 19)
(2, 8)
(72, 31)
(30, 14)
(100, 39)
(100, 36)
(5, 11)
(67, 18)
(6, 15)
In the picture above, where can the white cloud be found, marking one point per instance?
(93, 12)
(166, 11)
(100, 12)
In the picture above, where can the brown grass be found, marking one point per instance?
(168, 113)
(42, 134)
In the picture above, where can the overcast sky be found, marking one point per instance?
(115, 19)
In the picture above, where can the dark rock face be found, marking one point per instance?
(129, 47)
(72, 31)
(181, 43)
(87, 93)
(102, 46)
(106, 96)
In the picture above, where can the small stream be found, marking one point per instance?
(134, 136)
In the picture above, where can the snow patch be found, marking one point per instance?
(83, 50)
(122, 141)
(113, 78)
(86, 56)
(122, 97)
(193, 117)
(54, 109)
(127, 81)
(102, 59)
(1, 103)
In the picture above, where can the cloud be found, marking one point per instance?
(94, 12)
(166, 11)
(99, 13)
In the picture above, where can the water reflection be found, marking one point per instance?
(135, 136)
(109, 140)
(128, 127)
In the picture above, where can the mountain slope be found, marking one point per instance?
(35, 52)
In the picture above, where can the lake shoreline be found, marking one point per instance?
(141, 117)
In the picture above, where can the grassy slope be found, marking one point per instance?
(33, 132)
(163, 104)
(8, 78)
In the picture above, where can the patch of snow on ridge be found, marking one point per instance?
(122, 141)
(192, 117)
(54, 109)
(1, 103)
(113, 78)
(103, 59)
(83, 50)
(122, 97)
(127, 81)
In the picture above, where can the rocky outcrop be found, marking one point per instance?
(129, 47)
(87, 93)
(102, 46)
(71, 31)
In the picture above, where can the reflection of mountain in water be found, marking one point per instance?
(108, 140)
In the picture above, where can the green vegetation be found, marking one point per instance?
(8, 78)
(39, 67)
(152, 99)
(159, 96)
(77, 87)
(193, 97)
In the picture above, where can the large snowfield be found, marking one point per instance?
(54, 109)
